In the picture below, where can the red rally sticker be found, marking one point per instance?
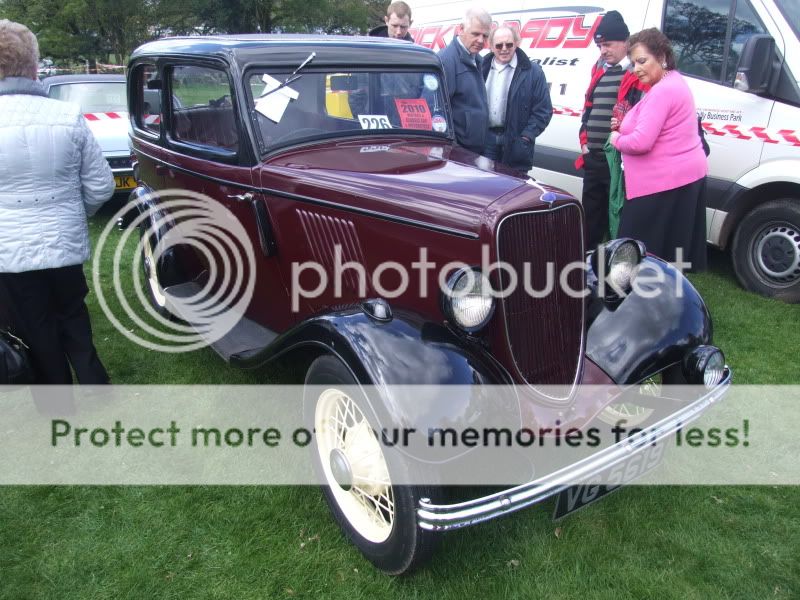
(414, 113)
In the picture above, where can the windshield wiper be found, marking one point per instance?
(293, 77)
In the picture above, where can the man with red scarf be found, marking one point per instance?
(613, 84)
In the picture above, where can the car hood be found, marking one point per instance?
(110, 130)
(434, 184)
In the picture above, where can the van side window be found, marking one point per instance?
(745, 24)
(698, 30)
(202, 110)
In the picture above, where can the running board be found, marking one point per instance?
(244, 340)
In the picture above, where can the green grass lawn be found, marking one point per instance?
(280, 542)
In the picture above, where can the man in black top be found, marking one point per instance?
(398, 20)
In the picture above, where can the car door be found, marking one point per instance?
(209, 167)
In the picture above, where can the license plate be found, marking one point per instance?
(124, 182)
(578, 496)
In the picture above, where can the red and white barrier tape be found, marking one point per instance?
(563, 110)
(103, 116)
(789, 137)
(780, 136)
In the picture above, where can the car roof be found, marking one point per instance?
(81, 78)
(290, 50)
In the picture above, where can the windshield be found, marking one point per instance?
(108, 96)
(323, 104)
(791, 10)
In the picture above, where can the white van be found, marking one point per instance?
(742, 60)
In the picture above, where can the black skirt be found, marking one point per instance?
(672, 224)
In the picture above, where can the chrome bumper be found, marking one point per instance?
(444, 517)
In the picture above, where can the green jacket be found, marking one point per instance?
(616, 190)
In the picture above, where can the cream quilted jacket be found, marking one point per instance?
(52, 176)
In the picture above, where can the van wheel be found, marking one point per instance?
(358, 474)
(766, 250)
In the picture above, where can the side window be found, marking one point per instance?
(745, 24)
(698, 30)
(148, 102)
(202, 111)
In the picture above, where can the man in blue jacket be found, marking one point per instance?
(519, 101)
(465, 86)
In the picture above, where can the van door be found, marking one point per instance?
(707, 37)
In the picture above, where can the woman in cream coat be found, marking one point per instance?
(52, 176)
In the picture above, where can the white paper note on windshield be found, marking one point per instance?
(274, 104)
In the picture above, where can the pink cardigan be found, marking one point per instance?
(658, 139)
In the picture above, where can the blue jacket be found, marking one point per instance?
(467, 92)
(528, 110)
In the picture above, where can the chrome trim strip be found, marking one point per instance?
(444, 517)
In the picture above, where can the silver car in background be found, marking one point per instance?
(103, 101)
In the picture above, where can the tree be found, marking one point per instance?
(90, 30)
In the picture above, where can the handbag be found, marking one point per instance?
(702, 133)
(16, 367)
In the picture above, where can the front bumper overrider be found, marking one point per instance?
(444, 517)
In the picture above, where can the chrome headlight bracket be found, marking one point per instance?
(704, 365)
(468, 301)
(616, 265)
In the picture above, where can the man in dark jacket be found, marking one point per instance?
(519, 101)
(613, 83)
(398, 20)
(465, 86)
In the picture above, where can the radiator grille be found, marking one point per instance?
(545, 335)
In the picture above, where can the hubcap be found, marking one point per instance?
(354, 466)
(340, 469)
(777, 253)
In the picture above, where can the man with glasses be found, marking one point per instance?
(461, 63)
(398, 20)
(519, 101)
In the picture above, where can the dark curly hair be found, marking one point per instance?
(656, 43)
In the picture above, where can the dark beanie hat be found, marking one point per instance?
(612, 28)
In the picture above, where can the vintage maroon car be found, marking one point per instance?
(327, 149)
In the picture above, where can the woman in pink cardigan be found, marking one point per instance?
(663, 159)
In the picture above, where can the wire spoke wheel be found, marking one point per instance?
(633, 414)
(361, 482)
(372, 490)
(151, 273)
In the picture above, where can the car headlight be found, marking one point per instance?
(704, 365)
(620, 264)
(468, 301)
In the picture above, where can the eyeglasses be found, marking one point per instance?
(508, 45)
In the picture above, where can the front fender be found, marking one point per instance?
(394, 358)
(643, 335)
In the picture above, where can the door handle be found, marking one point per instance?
(241, 197)
(161, 170)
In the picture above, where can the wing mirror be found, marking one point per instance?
(754, 72)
